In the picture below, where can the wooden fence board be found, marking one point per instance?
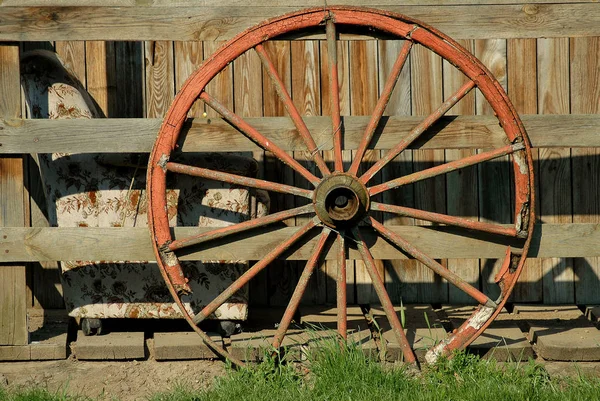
(13, 299)
(363, 98)
(555, 165)
(522, 91)
(266, 3)
(248, 102)
(133, 243)
(427, 95)
(493, 176)
(461, 186)
(224, 22)
(585, 95)
(400, 104)
(344, 97)
(282, 278)
(127, 135)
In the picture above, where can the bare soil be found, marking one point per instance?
(127, 381)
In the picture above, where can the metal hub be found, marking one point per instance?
(341, 200)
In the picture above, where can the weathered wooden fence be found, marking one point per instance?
(132, 56)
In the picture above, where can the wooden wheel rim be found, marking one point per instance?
(399, 26)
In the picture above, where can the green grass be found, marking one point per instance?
(349, 375)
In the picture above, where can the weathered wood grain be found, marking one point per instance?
(585, 95)
(461, 186)
(493, 176)
(427, 95)
(522, 91)
(13, 300)
(306, 95)
(133, 243)
(282, 276)
(555, 199)
(223, 22)
(364, 91)
(160, 77)
(326, 143)
(267, 3)
(247, 98)
(101, 75)
(400, 104)
(126, 135)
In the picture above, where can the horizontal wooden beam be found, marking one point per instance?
(217, 21)
(271, 3)
(215, 135)
(43, 244)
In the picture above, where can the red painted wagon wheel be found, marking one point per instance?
(343, 199)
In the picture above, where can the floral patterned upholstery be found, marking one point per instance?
(108, 190)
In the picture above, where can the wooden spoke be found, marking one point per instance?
(384, 298)
(390, 84)
(341, 297)
(417, 131)
(445, 168)
(257, 137)
(292, 306)
(237, 179)
(240, 227)
(334, 89)
(252, 272)
(445, 219)
(432, 264)
(292, 110)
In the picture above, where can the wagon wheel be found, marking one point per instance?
(343, 199)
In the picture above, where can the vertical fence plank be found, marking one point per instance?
(283, 276)
(461, 185)
(13, 300)
(160, 77)
(344, 95)
(585, 95)
(399, 104)
(426, 90)
(100, 72)
(188, 57)
(248, 102)
(494, 176)
(306, 93)
(364, 93)
(522, 91)
(555, 165)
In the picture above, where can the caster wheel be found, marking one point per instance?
(91, 327)
(341, 210)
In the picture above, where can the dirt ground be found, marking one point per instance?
(136, 380)
(126, 381)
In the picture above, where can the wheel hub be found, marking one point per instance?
(341, 200)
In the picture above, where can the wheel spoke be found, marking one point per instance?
(240, 227)
(342, 313)
(334, 96)
(432, 264)
(445, 219)
(446, 168)
(390, 84)
(417, 131)
(255, 136)
(252, 272)
(384, 298)
(291, 109)
(292, 306)
(238, 179)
